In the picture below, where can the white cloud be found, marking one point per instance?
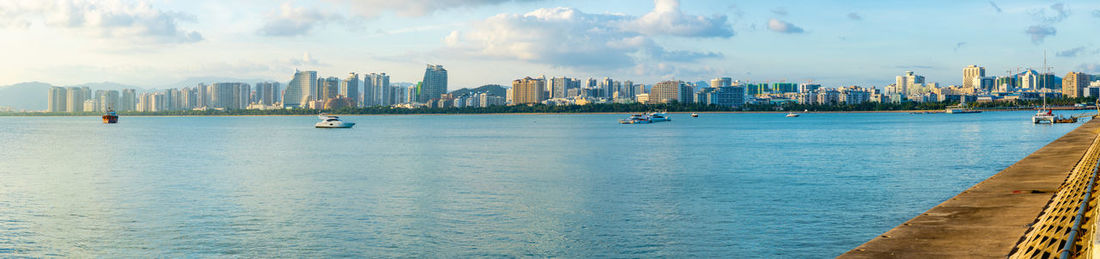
(373, 8)
(295, 21)
(1040, 32)
(306, 60)
(107, 19)
(567, 37)
(667, 19)
(783, 27)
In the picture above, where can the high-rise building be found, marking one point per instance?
(350, 88)
(1074, 84)
(330, 88)
(728, 96)
(74, 99)
(107, 100)
(721, 82)
(267, 93)
(57, 100)
(377, 90)
(229, 96)
(972, 76)
(128, 100)
(907, 82)
(528, 91)
(434, 84)
(558, 86)
(299, 89)
(670, 91)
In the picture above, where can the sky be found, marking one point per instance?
(155, 43)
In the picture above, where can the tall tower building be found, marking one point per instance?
(721, 82)
(298, 92)
(668, 91)
(330, 88)
(1074, 84)
(972, 76)
(528, 91)
(128, 100)
(377, 87)
(558, 86)
(57, 100)
(350, 88)
(434, 84)
(906, 83)
(74, 99)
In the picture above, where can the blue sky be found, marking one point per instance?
(154, 43)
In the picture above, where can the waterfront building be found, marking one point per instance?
(349, 88)
(89, 105)
(808, 87)
(728, 96)
(330, 88)
(558, 86)
(906, 84)
(298, 90)
(1074, 84)
(604, 87)
(527, 91)
(74, 99)
(107, 100)
(785, 87)
(670, 91)
(128, 100)
(972, 76)
(434, 84)
(228, 96)
(267, 93)
(1092, 91)
(57, 99)
(377, 90)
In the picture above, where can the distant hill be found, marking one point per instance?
(25, 96)
(491, 89)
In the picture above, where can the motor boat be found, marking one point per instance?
(960, 109)
(792, 115)
(636, 119)
(694, 115)
(110, 117)
(329, 121)
(659, 117)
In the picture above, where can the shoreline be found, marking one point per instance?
(537, 113)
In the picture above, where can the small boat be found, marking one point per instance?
(636, 119)
(792, 115)
(694, 115)
(110, 117)
(331, 122)
(1061, 119)
(659, 117)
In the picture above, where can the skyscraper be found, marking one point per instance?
(558, 85)
(972, 76)
(434, 84)
(528, 91)
(721, 82)
(74, 99)
(128, 100)
(377, 90)
(299, 89)
(330, 88)
(350, 88)
(1074, 84)
(669, 91)
(57, 100)
(909, 80)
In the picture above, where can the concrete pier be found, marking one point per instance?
(987, 220)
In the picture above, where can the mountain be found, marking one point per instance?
(25, 96)
(491, 89)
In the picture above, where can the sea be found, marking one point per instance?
(730, 185)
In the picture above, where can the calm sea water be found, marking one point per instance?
(721, 185)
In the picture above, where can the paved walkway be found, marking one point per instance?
(989, 218)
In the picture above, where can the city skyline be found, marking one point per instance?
(151, 43)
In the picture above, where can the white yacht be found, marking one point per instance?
(329, 121)
(636, 119)
(659, 117)
(792, 115)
